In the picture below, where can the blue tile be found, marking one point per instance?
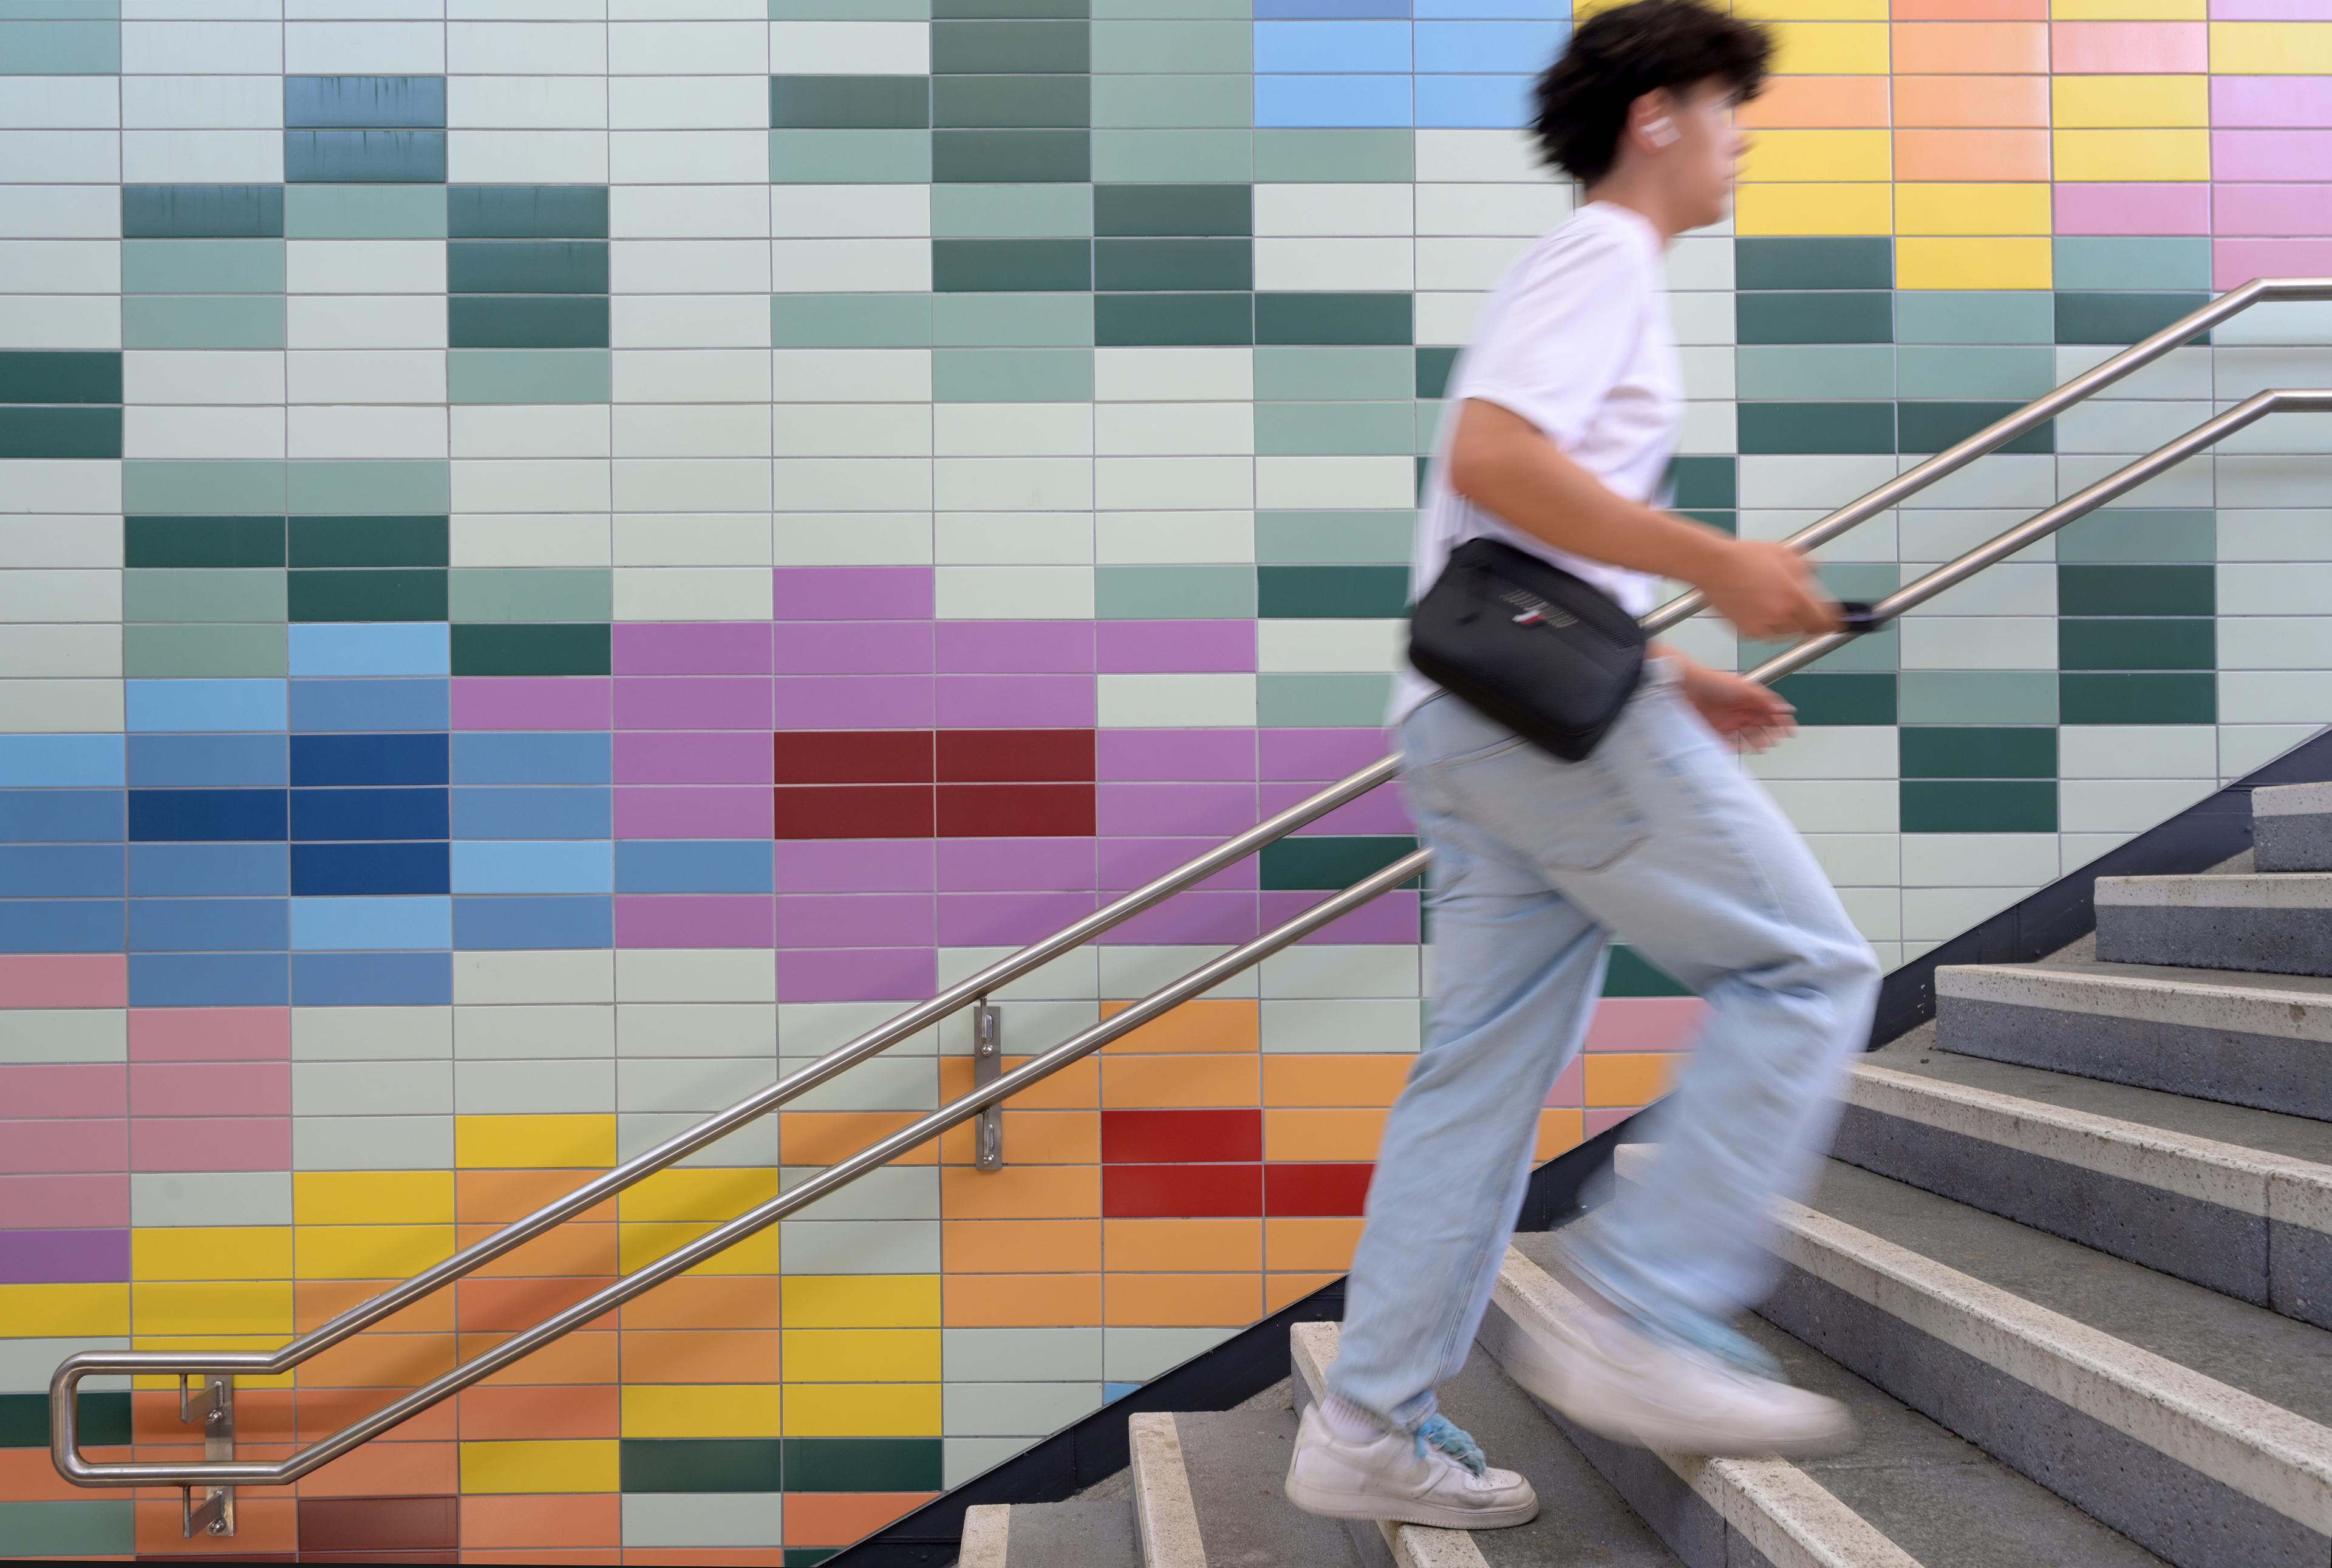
(207, 761)
(207, 924)
(1474, 102)
(343, 814)
(1322, 10)
(487, 923)
(60, 924)
(209, 980)
(204, 705)
(63, 870)
(694, 865)
(1111, 1392)
(380, 101)
(372, 980)
(493, 757)
(328, 707)
(228, 870)
(409, 758)
(1283, 102)
(181, 816)
(1517, 10)
(364, 157)
(371, 648)
(342, 924)
(325, 870)
(554, 813)
(60, 761)
(60, 816)
(1340, 47)
(535, 865)
(1489, 48)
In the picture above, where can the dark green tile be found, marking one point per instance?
(1705, 481)
(1979, 751)
(526, 322)
(2117, 318)
(526, 267)
(527, 212)
(960, 10)
(699, 1464)
(391, 594)
(1192, 210)
(810, 1556)
(1010, 157)
(1434, 364)
(28, 431)
(1805, 427)
(863, 1464)
(202, 211)
(1930, 426)
(1630, 974)
(61, 375)
(104, 1421)
(1328, 860)
(1840, 699)
(202, 542)
(1838, 318)
(1007, 47)
(1011, 266)
(1814, 263)
(560, 649)
(1178, 265)
(1012, 100)
(369, 541)
(1145, 320)
(1332, 318)
(1723, 521)
(2149, 699)
(1979, 805)
(2087, 590)
(850, 102)
(2137, 645)
(1331, 592)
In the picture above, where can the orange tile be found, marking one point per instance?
(1335, 1080)
(829, 1137)
(1624, 1078)
(1173, 1083)
(701, 1355)
(486, 1305)
(1972, 102)
(1290, 1134)
(609, 1556)
(1971, 154)
(584, 1357)
(1326, 1242)
(490, 1413)
(1282, 1289)
(1021, 1192)
(519, 1522)
(316, 1301)
(1027, 1245)
(574, 1247)
(1182, 1300)
(1559, 1132)
(1201, 1246)
(403, 1361)
(838, 1518)
(388, 1471)
(1073, 1089)
(27, 1475)
(1964, 48)
(323, 1412)
(261, 1416)
(1030, 1138)
(497, 1197)
(1209, 1024)
(262, 1523)
(1023, 1300)
(1817, 104)
(705, 1301)
(1971, 9)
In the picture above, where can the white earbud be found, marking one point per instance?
(1662, 132)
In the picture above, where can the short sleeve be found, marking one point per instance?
(1560, 342)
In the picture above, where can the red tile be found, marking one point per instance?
(1014, 756)
(1133, 1137)
(379, 1524)
(1179, 1192)
(854, 811)
(1315, 1189)
(854, 756)
(1015, 811)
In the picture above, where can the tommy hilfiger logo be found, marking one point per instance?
(1536, 611)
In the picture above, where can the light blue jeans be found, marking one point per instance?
(1661, 839)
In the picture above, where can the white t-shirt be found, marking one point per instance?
(1576, 340)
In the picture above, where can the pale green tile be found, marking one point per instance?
(1174, 593)
(1825, 371)
(850, 321)
(1324, 538)
(1350, 702)
(1429, 428)
(61, 10)
(1971, 372)
(1991, 316)
(1878, 650)
(202, 320)
(1012, 320)
(2133, 262)
(1012, 211)
(169, 594)
(1335, 429)
(369, 489)
(530, 376)
(1173, 157)
(212, 489)
(1337, 156)
(850, 157)
(1188, 10)
(202, 266)
(2140, 534)
(1172, 46)
(531, 593)
(99, 1526)
(1976, 697)
(1316, 375)
(1173, 102)
(364, 212)
(1012, 376)
(225, 651)
(60, 48)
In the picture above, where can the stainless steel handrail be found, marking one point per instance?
(64, 1445)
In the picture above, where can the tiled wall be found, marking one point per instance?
(561, 559)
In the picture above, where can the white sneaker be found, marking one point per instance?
(1613, 1378)
(1435, 1475)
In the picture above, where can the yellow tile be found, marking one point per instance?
(207, 1342)
(702, 1410)
(221, 1306)
(519, 1142)
(1957, 263)
(1812, 10)
(862, 1410)
(2096, 102)
(1820, 155)
(822, 1355)
(1829, 48)
(1814, 209)
(860, 1300)
(639, 1246)
(2132, 155)
(370, 1252)
(65, 1311)
(2129, 10)
(688, 1193)
(2271, 48)
(1921, 208)
(373, 1197)
(211, 1252)
(551, 1465)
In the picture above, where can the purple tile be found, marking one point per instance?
(853, 919)
(2132, 209)
(1322, 755)
(2270, 155)
(1190, 917)
(696, 920)
(64, 1257)
(1391, 918)
(1147, 647)
(854, 702)
(2271, 100)
(1016, 702)
(694, 757)
(1128, 863)
(1016, 865)
(1174, 810)
(1380, 810)
(531, 703)
(853, 647)
(1007, 919)
(852, 593)
(854, 866)
(882, 974)
(692, 702)
(691, 648)
(2270, 10)
(693, 811)
(1174, 754)
(1015, 647)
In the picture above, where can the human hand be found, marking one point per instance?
(1768, 590)
(1753, 717)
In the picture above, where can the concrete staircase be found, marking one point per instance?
(2071, 1265)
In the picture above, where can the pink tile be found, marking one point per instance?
(854, 866)
(1015, 647)
(61, 1201)
(1128, 863)
(2234, 262)
(853, 703)
(95, 980)
(693, 811)
(1569, 1091)
(211, 1143)
(1145, 647)
(2300, 101)
(2241, 210)
(1390, 918)
(1190, 917)
(692, 702)
(2130, 48)
(1009, 919)
(2271, 10)
(1321, 756)
(64, 1088)
(83, 1144)
(1016, 702)
(694, 919)
(853, 648)
(1380, 810)
(531, 702)
(694, 756)
(210, 1034)
(1645, 1023)
(852, 593)
(862, 975)
(1174, 754)
(1016, 865)
(210, 1089)
(855, 920)
(1600, 1121)
(691, 648)
(2134, 209)
(2270, 155)
(1174, 810)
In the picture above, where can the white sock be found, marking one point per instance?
(1348, 1421)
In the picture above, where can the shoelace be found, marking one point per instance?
(1440, 1432)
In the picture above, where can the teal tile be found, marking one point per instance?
(1308, 156)
(202, 322)
(1144, 320)
(1335, 373)
(863, 1464)
(1012, 211)
(526, 267)
(60, 376)
(2084, 589)
(850, 321)
(1332, 318)
(1012, 376)
(1012, 100)
(1723, 521)
(526, 322)
(1062, 321)
(1011, 266)
(1878, 652)
(202, 211)
(1174, 157)
(202, 266)
(1978, 751)
(1814, 317)
(226, 652)
(1773, 371)
(962, 9)
(103, 1420)
(1177, 102)
(1321, 701)
(850, 102)
(202, 542)
(60, 48)
(209, 488)
(1840, 699)
(1847, 262)
(2137, 643)
(699, 1464)
(1435, 364)
(1331, 592)
(2127, 261)
(1323, 861)
(1178, 265)
(376, 212)
(507, 376)
(1815, 427)
(2118, 534)
(1928, 426)
(1171, 47)
(79, 431)
(1009, 156)
(1978, 697)
(370, 488)
(1704, 481)
(536, 650)
(527, 212)
(2161, 698)
(359, 541)
(850, 158)
(2121, 317)
(1335, 429)
(104, 1526)
(1979, 805)
(373, 594)
(1629, 974)
(1174, 592)
(993, 47)
(1333, 537)
(1989, 317)
(2019, 373)
(1190, 211)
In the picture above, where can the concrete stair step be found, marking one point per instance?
(1207, 1494)
(1911, 1494)
(2254, 1039)
(2270, 922)
(2291, 827)
(2224, 1196)
(1077, 1534)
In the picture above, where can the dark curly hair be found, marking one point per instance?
(1617, 56)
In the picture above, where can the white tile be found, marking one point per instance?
(61, 211)
(695, 975)
(60, 321)
(693, 483)
(2136, 752)
(209, 48)
(1470, 263)
(1342, 969)
(1166, 538)
(1979, 859)
(1370, 645)
(688, 157)
(1014, 484)
(523, 539)
(61, 158)
(1933, 915)
(1818, 805)
(1341, 1025)
(692, 212)
(62, 707)
(364, 267)
(850, 211)
(2128, 805)
(850, 48)
(520, 484)
(682, 430)
(982, 539)
(526, 102)
(1335, 265)
(851, 266)
(365, 375)
(487, 978)
(1312, 210)
(1978, 643)
(847, 485)
(850, 430)
(52, 652)
(669, 47)
(693, 593)
(201, 375)
(353, 432)
(1148, 374)
(535, 430)
(202, 156)
(1471, 155)
(526, 49)
(689, 266)
(691, 376)
(1301, 482)
(1197, 483)
(526, 156)
(692, 539)
(2281, 588)
(202, 433)
(65, 103)
(1490, 209)
(59, 266)
(691, 102)
(691, 321)
(1034, 429)
(363, 48)
(1172, 702)
(1172, 429)
(1014, 593)
(1450, 318)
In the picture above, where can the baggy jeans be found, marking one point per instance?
(1661, 839)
